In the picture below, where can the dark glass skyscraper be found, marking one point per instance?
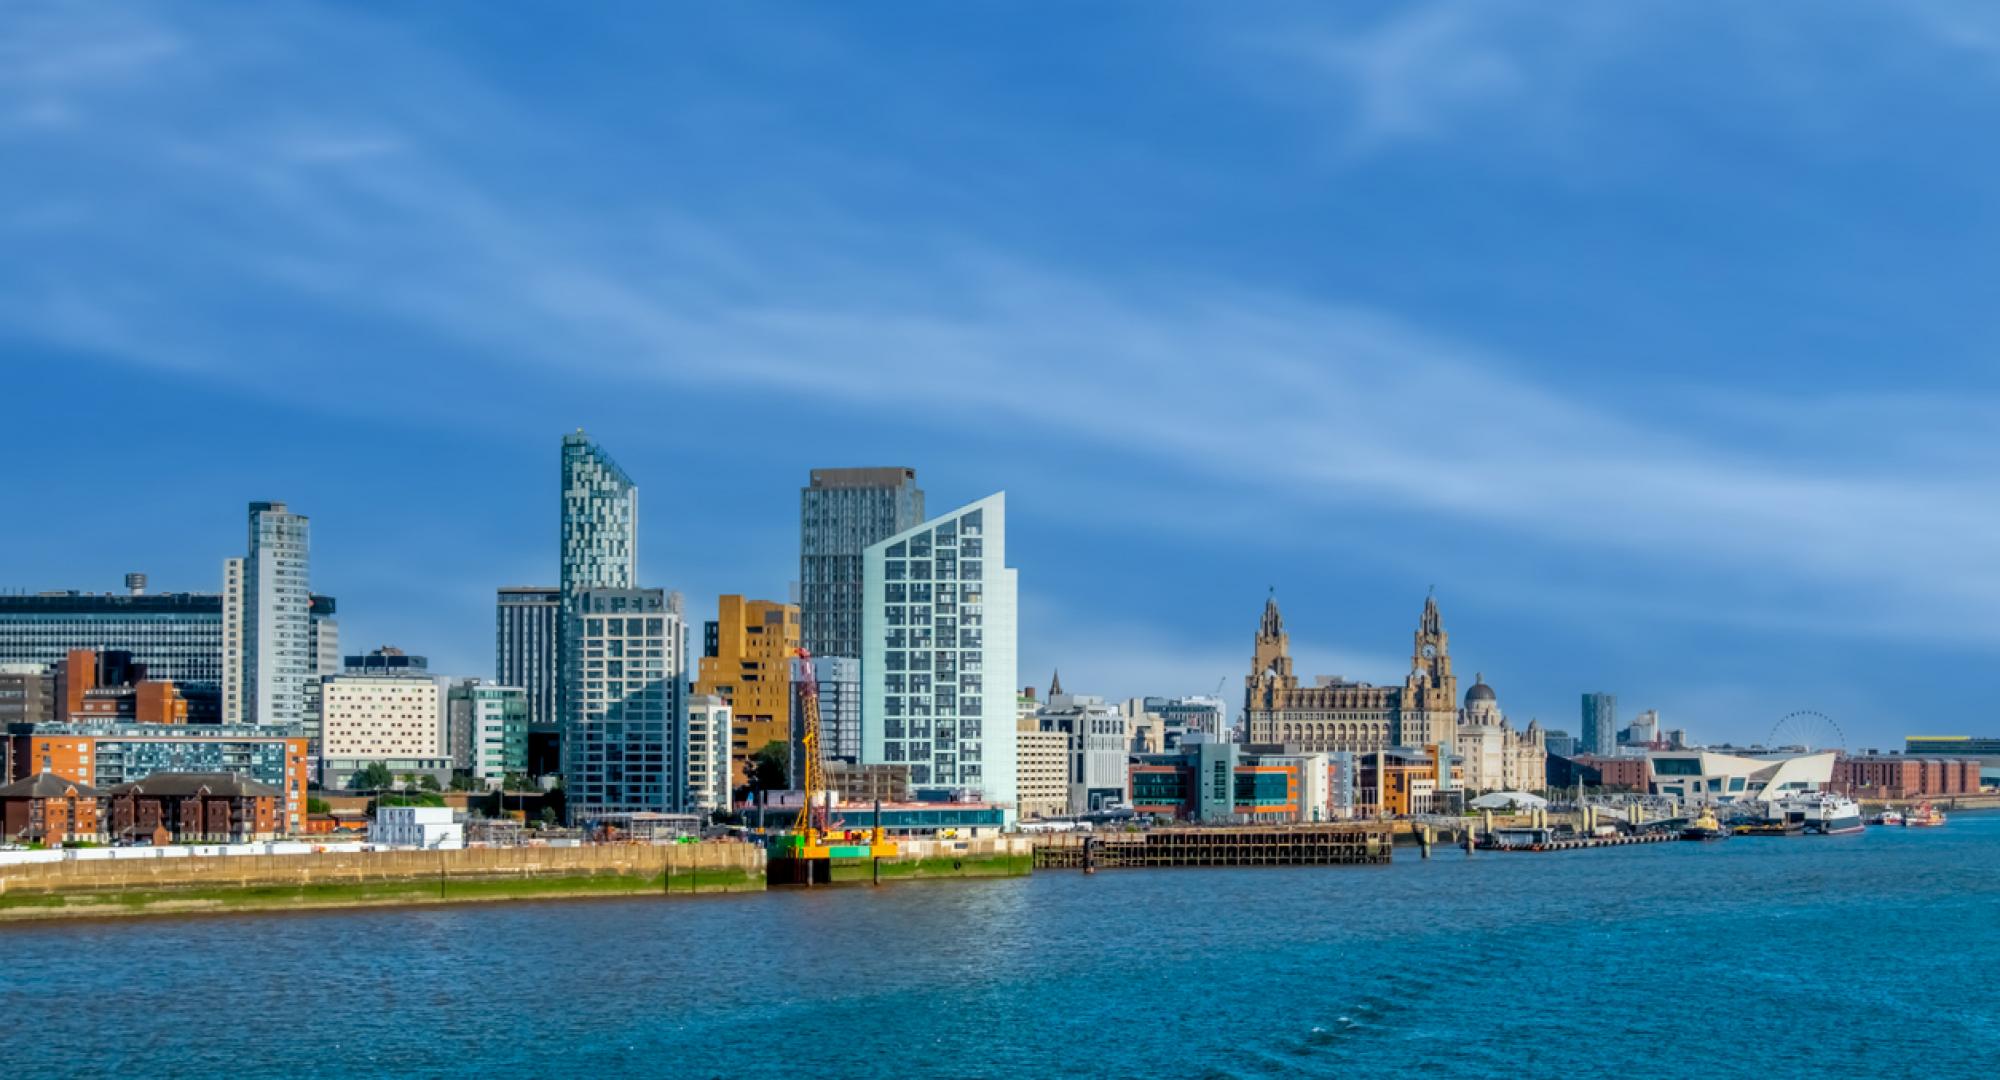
(1600, 725)
(841, 513)
(524, 652)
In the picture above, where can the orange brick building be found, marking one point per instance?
(1897, 776)
(51, 809)
(105, 755)
(220, 808)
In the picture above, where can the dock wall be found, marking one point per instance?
(76, 888)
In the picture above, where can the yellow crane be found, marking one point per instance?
(813, 835)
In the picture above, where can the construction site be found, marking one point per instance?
(1295, 845)
(809, 853)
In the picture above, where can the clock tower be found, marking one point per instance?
(1428, 713)
(1271, 664)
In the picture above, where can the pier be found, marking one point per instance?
(1574, 843)
(1305, 845)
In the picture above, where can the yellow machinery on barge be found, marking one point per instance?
(813, 837)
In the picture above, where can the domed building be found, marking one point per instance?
(1495, 756)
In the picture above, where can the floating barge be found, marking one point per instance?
(1304, 845)
(1533, 839)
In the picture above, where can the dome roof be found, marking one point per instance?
(1480, 691)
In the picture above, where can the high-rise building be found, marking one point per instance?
(323, 630)
(621, 750)
(487, 730)
(235, 638)
(706, 736)
(278, 658)
(1600, 725)
(177, 636)
(600, 546)
(527, 618)
(938, 653)
(841, 513)
(747, 661)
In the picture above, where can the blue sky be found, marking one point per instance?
(1658, 337)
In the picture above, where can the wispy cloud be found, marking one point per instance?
(359, 199)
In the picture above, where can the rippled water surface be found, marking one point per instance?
(1837, 956)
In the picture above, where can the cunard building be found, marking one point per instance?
(1335, 715)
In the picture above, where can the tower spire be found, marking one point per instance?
(1055, 683)
(1274, 623)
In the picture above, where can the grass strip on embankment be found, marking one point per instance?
(32, 905)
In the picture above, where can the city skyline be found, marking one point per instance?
(1286, 310)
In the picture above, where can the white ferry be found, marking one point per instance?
(1820, 812)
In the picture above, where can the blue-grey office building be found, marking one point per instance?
(841, 513)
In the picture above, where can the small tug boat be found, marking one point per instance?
(1889, 816)
(1705, 827)
(1924, 816)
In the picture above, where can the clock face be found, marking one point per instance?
(1430, 652)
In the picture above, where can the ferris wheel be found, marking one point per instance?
(1808, 728)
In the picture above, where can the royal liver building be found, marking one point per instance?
(1335, 714)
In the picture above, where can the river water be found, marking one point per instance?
(1825, 956)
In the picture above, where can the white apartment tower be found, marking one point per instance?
(938, 653)
(235, 639)
(707, 742)
(278, 653)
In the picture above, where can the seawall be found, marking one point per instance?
(921, 860)
(342, 879)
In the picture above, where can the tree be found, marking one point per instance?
(770, 767)
(515, 781)
(428, 782)
(318, 806)
(374, 776)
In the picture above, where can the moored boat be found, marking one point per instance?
(1924, 815)
(1821, 812)
(1889, 816)
(1705, 827)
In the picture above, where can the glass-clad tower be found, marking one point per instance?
(278, 653)
(841, 512)
(621, 745)
(1600, 725)
(938, 653)
(600, 542)
(525, 647)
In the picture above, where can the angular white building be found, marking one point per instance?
(1706, 776)
(938, 654)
